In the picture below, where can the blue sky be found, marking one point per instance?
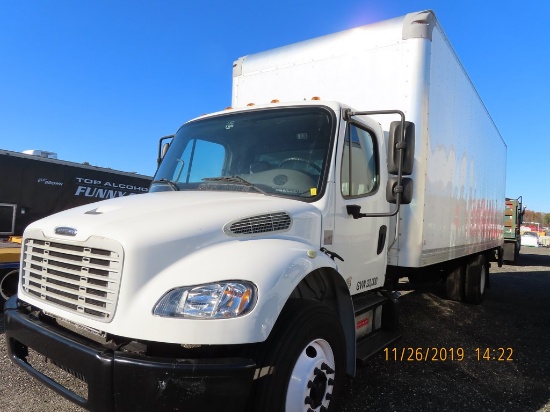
(101, 81)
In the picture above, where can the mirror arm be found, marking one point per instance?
(355, 210)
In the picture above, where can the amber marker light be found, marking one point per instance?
(245, 300)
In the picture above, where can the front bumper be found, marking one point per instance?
(119, 381)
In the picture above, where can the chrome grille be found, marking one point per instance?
(272, 222)
(80, 278)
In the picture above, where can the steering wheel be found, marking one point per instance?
(299, 159)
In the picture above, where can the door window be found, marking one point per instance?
(359, 174)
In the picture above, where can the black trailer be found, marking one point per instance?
(33, 187)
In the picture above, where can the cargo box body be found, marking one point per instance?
(407, 64)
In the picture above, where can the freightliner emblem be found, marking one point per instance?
(65, 231)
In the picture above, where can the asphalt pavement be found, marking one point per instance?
(460, 357)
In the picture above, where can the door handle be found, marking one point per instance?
(381, 239)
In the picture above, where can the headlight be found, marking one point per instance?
(213, 301)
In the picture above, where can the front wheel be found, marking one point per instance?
(303, 361)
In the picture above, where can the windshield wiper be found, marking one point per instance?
(234, 180)
(167, 182)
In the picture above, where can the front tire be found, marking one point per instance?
(305, 360)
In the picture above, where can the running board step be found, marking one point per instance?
(375, 343)
(364, 303)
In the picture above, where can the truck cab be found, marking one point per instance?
(305, 154)
(254, 215)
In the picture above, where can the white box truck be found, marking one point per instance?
(259, 268)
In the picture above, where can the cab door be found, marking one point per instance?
(360, 170)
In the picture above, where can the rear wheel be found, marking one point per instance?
(304, 361)
(415, 278)
(517, 247)
(476, 280)
(454, 283)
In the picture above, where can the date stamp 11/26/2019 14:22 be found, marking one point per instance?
(435, 354)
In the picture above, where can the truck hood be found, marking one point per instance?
(195, 218)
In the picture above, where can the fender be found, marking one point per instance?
(275, 265)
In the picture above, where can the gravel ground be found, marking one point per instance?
(515, 315)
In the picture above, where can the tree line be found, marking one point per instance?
(537, 217)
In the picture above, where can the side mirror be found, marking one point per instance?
(163, 148)
(406, 193)
(393, 151)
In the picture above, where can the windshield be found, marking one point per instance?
(280, 152)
